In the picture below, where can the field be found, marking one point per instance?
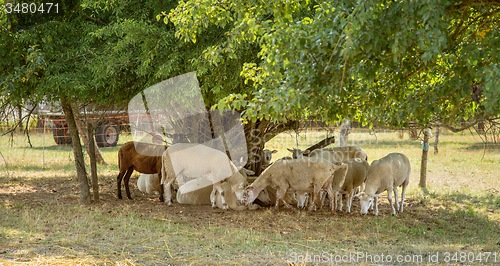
(456, 222)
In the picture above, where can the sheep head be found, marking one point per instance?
(268, 156)
(366, 201)
(239, 191)
(302, 198)
(297, 153)
(249, 195)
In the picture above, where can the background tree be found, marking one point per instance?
(383, 63)
(60, 57)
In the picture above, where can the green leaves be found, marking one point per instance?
(376, 61)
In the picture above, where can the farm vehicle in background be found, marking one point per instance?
(108, 126)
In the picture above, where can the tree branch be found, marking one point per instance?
(96, 20)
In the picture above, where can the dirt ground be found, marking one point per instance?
(53, 191)
(260, 236)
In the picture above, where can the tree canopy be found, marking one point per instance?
(375, 61)
(385, 62)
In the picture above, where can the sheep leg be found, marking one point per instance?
(310, 200)
(332, 196)
(167, 191)
(312, 204)
(280, 196)
(396, 201)
(213, 196)
(389, 198)
(162, 191)
(402, 198)
(322, 197)
(317, 195)
(350, 201)
(126, 179)
(340, 202)
(119, 183)
(376, 205)
(334, 202)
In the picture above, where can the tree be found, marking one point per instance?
(376, 61)
(382, 63)
(103, 53)
(59, 56)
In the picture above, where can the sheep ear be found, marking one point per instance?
(306, 152)
(274, 151)
(290, 150)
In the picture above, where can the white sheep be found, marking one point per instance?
(149, 183)
(337, 154)
(267, 156)
(185, 161)
(387, 173)
(355, 177)
(300, 175)
(202, 197)
(142, 157)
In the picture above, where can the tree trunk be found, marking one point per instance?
(345, 130)
(423, 166)
(20, 117)
(254, 134)
(436, 140)
(77, 152)
(85, 137)
(93, 163)
(257, 134)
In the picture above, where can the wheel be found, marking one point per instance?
(61, 134)
(107, 134)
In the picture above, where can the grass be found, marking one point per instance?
(41, 222)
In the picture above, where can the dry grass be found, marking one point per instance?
(41, 222)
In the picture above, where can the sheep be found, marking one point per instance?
(301, 175)
(355, 177)
(184, 161)
(268, 156)
(149, 183)
(290, 197)
(202, 197)
(387, 173)
(296, 153)
(141, 157)
(336, 154)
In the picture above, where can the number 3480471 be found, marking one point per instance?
(31, 8)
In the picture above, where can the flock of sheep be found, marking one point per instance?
(203, 175)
